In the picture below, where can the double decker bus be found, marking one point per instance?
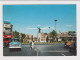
(7, 33)
(6, 39)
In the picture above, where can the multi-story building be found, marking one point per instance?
(63, 35)
(7, 28)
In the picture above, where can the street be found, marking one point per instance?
(56, 49)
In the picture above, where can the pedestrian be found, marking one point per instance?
(31, 45)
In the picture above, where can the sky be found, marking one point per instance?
(26, 18)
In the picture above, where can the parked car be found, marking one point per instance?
(15, 43)
(67, 44)
(73, 47)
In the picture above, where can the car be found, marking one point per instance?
(15, 44)
(72, 47)
(67, 44)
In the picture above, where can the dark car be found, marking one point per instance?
(73, 47)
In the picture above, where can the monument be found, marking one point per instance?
(39, 30)
(40, 36)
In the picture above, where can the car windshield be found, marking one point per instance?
(15, 40)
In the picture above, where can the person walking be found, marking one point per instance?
(31, 44)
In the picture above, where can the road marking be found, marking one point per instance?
(63, 54)
(54, 51)
(37, 53)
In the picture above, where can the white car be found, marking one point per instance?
(15, 43)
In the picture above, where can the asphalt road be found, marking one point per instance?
(39, 50)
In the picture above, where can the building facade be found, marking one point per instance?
(7, 29)
(28, 38)
(63, 35)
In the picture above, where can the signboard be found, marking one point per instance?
(7, 36)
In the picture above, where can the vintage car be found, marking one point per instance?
(67, 44)
(15, 43)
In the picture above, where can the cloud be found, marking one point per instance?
(31, 28)
(46, 28)
(38, 25)
(69, 25)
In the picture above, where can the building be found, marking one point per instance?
(35, 39)
(63, 35)
(7, 28)
(28, 38)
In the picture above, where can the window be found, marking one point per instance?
(15, 40)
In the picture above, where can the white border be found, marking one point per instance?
(40, 57)
(39, 0)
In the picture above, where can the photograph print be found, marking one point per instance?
(39, 30)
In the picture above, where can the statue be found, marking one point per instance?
(39, 30)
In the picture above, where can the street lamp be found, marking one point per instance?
(55, 24)
(55, 28)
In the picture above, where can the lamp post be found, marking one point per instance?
(55, 28)
(55, 24)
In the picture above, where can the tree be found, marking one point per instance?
(47, 39)
(15, 34)
(32, 38)
(35, 38)
(45, 33)
(28, 37)
(65, 39)
(53, 34)
(23, 36)
(72, 33)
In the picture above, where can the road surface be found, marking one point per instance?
(39, 50)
